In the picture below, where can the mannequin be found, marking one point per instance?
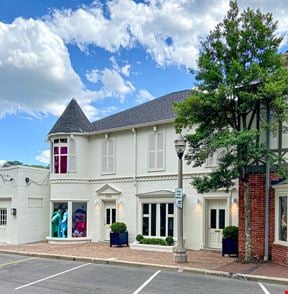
(56, 221)
(64, 224)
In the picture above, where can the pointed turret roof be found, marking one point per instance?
(72, 120)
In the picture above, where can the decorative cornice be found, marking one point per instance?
(142, 178)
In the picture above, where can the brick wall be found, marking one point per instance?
(257, 202)
(280, 254)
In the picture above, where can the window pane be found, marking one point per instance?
(79, 219)
(63, 164)
(160, 141)
(3, 216)
(56, 150)
(171, 208)
(113, 215)
(170, 226)
(145, 228)
(56, 141)
(63, 140)
(160, 159)
(221, 218)
(213, 219)
(59, 220)
(152, 159)
(283, 218)
(163, 219)
(64, 150)
(145, 208)
(153, 219)
(56, 164)
(108, 219)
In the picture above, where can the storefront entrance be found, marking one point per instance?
(216, 222)
(110, 218)
(5, 206)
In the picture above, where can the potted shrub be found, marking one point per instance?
(118, 234)
(230, 241)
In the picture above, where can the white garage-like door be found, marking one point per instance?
(5, 206)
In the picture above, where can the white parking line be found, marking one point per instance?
(263, 288)
(38, 281)
(146, 283)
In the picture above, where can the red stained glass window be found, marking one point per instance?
(60, 154)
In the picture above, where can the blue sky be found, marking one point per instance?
(109, 55)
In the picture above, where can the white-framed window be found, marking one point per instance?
(158, 219)
(213, 159)
(281, 218)
(3, 216)
(156, 151)
(108, 156)
(63, 155)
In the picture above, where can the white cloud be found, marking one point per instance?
(44, 156)
(113, 84)
(144, 96)
(2, 162)
(169, 30)
(36, 75)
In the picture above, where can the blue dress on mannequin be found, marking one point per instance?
(64, 224)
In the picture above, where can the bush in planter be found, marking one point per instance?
(139, 238)
(230, 240)
(153, 241)
(230, 232)
(169, 240)
(118, 227)
(118, 234)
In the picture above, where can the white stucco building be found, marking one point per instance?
(24, 204)
(124, 168)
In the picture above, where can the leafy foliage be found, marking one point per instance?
(239, 75)
(230, 232)
(118, 227)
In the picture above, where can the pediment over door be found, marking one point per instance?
(108, 190)
(157, 194)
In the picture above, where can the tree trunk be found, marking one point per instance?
(248, 249)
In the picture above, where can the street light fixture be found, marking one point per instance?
(180, 255)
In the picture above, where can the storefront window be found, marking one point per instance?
(79, 219)
(60, 220)
(154, 226)
(283, 218)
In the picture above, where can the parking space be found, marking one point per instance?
(22, 274)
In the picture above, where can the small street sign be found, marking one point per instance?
(179, 197)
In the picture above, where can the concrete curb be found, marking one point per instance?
(112, 261)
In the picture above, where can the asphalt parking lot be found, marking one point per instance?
(23, 274)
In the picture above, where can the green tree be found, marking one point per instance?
(240, 75)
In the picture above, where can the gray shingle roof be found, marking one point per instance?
(155, 110)
(73, 120)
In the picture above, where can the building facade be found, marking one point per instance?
(124, 168)
(24, 204)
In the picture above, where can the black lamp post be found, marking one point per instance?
(180, 255)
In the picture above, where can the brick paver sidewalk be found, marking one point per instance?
(202, 259)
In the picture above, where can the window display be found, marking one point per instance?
(59, 220)
(283, 218)
(79, 219)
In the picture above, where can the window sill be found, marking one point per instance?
(65, 241)
(108, 174)
(281, 243)
(156, 170)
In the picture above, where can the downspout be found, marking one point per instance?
(267, 186)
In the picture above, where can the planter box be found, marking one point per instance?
(229, 246)
(149, 247)
(119, 239)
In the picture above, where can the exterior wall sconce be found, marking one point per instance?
(198, 201)
(234, 199)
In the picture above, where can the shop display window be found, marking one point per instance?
(79, 219)
(59, 220)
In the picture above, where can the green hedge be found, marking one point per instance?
(155, 241)
(230, 232)
(118, 227)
